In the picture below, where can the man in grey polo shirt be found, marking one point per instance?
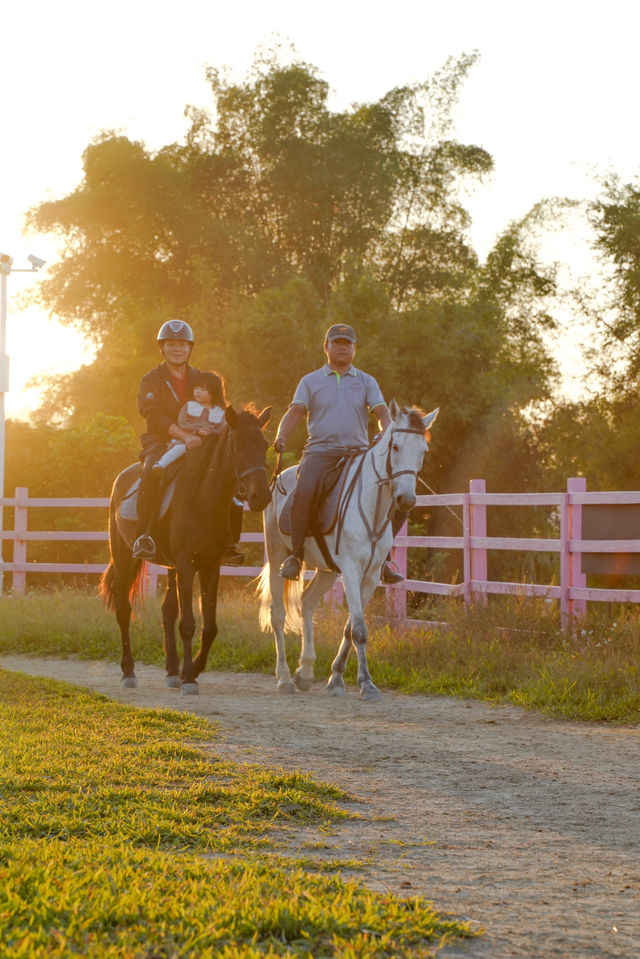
(337, 400)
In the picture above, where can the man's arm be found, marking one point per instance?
(382, 415)
(190, 440)
(287, 425)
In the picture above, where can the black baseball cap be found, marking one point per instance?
(340, 331)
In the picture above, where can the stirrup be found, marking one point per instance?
(144, 547)
(390, 574)
(291, 567)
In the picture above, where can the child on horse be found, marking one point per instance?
(202, 415)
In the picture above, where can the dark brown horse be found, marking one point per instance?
(190, 537)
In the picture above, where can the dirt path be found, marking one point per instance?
(526, 826)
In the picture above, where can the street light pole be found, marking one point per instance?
(6, 267)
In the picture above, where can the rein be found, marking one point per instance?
(375, 531)
(276, 473)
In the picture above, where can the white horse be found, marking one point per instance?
(378, 480)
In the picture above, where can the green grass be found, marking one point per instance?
(511, 651)
(122, 835)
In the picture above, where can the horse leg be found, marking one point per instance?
(169, 616)
(208, 602)
(186, 628)
(125, 570)
(123, 618)
(277, 618)
(313, 592)
(335, 686)
(357, 595)
(272, 608)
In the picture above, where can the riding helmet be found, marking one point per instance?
(175, 330)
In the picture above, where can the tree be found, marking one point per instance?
(615, 217)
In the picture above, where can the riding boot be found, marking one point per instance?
(390, 574)
(149, 494)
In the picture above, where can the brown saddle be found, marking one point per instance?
(332, 486)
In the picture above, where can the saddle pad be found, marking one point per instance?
(129, 504)
(333, 487)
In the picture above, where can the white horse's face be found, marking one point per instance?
(407, 448)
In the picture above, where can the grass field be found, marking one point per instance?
(508, 652)
(122, 835)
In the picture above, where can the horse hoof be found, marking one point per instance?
(173, 682)
(129, 682)
(370, 694)
(286, 687)
(336, 689)
(304, 685)
(190, 689)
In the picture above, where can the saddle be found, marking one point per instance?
(331, 489)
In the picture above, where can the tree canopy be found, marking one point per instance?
(278, 216)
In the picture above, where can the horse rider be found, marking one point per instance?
(162, 393)
(337, 399)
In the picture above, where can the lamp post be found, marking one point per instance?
(6, 267)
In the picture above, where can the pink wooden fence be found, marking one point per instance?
(472, 541)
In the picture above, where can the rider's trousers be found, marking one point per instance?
(313, 467)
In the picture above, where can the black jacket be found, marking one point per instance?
(159, 403)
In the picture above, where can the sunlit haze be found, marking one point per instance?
(552, 99)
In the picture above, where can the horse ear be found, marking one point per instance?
(231, 417)
(264, 417)
(394, 409)
(430, 418)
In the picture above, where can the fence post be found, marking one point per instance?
(396, 598)
(466, 550)
(576, 607)
(478, 527)
(20, 525)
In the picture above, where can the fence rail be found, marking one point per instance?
(570, 591)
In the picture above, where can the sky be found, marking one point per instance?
(553, 99)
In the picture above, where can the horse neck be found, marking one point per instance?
(217, 483)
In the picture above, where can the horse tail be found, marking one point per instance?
(106, 586)
(263, 590)
(293, 604)
(292, 601)
(136, 590)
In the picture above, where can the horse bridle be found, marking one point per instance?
(388, 469)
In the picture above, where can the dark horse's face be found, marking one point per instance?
(248, 452)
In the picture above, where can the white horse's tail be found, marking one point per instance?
(263, 590)
(292, 601)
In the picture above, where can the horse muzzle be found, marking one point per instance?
(257, 492)
(405, 502)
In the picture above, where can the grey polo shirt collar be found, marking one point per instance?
(326, 369)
